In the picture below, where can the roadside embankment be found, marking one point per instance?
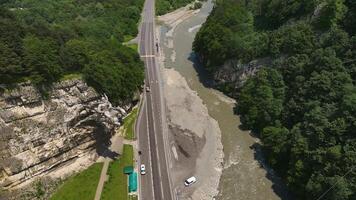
(194, 136)
(195, 139)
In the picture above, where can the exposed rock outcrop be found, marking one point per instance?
(233, 74)
(38, 136)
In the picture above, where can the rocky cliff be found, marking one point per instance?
(39, 135)
(233, 74)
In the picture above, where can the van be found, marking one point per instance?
(190, 181)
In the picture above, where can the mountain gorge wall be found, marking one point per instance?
(232, 75)
(41, 135)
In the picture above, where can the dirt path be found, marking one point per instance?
(117, 143)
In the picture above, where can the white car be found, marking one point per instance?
(148, 89)
(190, 181)
(143, 169)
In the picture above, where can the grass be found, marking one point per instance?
(129, 123)
(116, 188)
(80, 186)
(127, 38)
(133, 46)
(71, 76)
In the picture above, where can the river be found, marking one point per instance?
(243, 176)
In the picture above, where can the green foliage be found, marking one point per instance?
(261, 99)
(271, 14)
(303, 105)
(42, 40)
(113, 78)
(75, 53)
(166, 6)
(196, 5)
(295, 38)
(129, 123)
(331, 13)
(228, 32)
(350, 19)
(41, 59)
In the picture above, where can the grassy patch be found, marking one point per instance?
(129, 123)
(71, 76)
(116, 188)
(80, 186)
(127, 38)
(133, 46)
(133, 197)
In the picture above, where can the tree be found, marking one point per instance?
(261, 99)
(41, 60)
(276, 141)
(10, 66)
(75, 55)
(331, 14)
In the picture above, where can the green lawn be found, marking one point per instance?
(129, 123)
(72, 76)
(80, 186)
(133, 197)
(116, 187)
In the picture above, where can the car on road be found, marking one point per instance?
(190, 181)
(148, 89)
(143, 169)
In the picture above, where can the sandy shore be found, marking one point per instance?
(176, 17)
(194, 136)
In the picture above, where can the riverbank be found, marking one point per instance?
(243, 175)
(194, 136)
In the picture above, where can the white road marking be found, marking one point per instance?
(148, 56)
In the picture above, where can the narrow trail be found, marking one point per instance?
(117, 143)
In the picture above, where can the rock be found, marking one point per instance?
(39, 135)
(234, 74)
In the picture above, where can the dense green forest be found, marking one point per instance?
(166, 6)
(303, 104)
(42, 41)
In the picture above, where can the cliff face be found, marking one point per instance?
(233, 74)
(39, 136)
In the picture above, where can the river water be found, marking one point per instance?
(243, 176)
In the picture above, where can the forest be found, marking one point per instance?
(166, 6)
(303, 105)
(43, 41)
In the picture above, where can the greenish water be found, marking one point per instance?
(243, 176)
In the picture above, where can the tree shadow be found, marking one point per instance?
(277, 184)
(102, 137)
(204, 76)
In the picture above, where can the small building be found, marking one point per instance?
(128, 170)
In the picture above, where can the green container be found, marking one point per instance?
(133, 182)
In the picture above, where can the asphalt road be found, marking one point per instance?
(155, 185)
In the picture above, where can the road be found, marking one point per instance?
(150, 125)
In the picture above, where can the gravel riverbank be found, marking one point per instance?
(195, 137)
